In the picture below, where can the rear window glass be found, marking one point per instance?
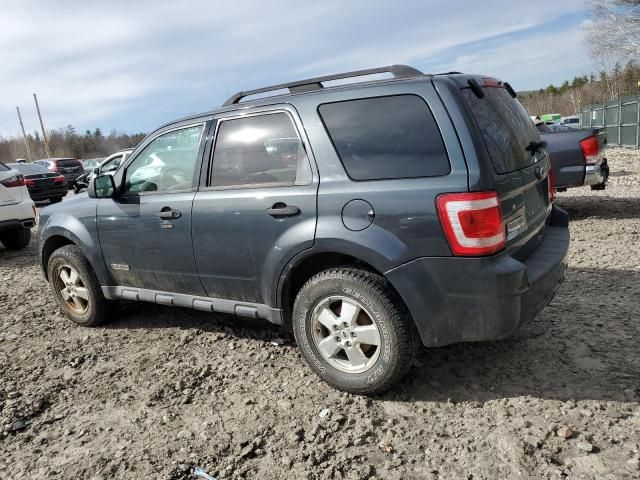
(386, 137)
(29, 168)
(505, 126)
(69, 163)
(3, 167)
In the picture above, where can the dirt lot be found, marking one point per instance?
(160, 391)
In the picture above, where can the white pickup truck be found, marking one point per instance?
(17, 210)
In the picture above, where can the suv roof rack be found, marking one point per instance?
(310, 84)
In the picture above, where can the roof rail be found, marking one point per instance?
(310, 84)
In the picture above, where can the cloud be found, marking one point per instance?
(134, 65)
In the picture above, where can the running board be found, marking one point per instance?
(207, 304)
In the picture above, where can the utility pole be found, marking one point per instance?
(24, 135)
(44, 134)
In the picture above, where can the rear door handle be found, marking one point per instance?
(168, 213)
(282, 210)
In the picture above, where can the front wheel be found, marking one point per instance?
(353, 330)
(76, 287)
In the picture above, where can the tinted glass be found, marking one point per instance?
(167, 164)
(69, 163)
(505, 126)
(262, 150)
(3, 167)
(386, 137)
(29, 168)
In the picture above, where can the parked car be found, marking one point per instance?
(91, 163)
(69, 167)
(41, 183)
(17, 210)
(412, 209)
(108, 165)
(578, 156)
(572, 121)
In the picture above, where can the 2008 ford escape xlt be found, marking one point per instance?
(366, 216)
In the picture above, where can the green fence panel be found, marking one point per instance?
(620, 118)
(628, 135)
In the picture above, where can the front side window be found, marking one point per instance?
(386, 137)
(261, 150)
(167, 164)
(112, 165)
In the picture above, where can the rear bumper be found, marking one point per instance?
(596, 174)
(14, 224)
(45, 194)
(456, 299)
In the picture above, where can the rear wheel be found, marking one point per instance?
(16, 239)
(353, 330)
(76, 287)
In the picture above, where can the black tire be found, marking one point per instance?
(599, 186)
(55, 199)
(16, 239)
(398, 335)
(98, 307)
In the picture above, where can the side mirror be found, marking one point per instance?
(101, 186)
(96, 170)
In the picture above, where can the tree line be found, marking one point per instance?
(66, 142)
(571, 96)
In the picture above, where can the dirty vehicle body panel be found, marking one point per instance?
(243, 233)
(571, 168)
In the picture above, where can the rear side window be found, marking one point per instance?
(386, 137)
(261, 150)
(505, 126)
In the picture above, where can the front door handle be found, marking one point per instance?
(282, 210)
(168, 213)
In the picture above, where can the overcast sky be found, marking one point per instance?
(132, 65)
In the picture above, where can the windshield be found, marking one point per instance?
(505, 126)
(29, 168)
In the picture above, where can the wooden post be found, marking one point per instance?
(44, 133)
(24, 135)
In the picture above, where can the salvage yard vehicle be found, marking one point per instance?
(70, 168)
(577, 155)
(107, 165)
(367, 217)
(17, 210)
(41, 183)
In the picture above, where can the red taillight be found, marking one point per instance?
(590, 148)
(58, 179)
(472, 222)
(17, 181)
(552, 186)
(29, 183)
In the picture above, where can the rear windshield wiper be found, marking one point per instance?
(534, 147)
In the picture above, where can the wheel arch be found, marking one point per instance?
(306, 265)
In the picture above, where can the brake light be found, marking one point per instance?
(552, 186)
(472, 222)
(17, 181)
(58, 179)
(590, 148)
(29, 183)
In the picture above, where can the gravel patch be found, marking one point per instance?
(160, 391)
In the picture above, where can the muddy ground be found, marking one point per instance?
(162, 390)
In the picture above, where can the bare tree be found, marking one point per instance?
(620, 21)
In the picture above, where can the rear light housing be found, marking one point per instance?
(58, 179)
(472, 222)
(29, 182)
(590, 149)
(552, 186)
(17, 181)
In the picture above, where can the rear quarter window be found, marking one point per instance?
(69, 163)
(386, 137)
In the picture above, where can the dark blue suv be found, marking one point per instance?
(367, 216)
